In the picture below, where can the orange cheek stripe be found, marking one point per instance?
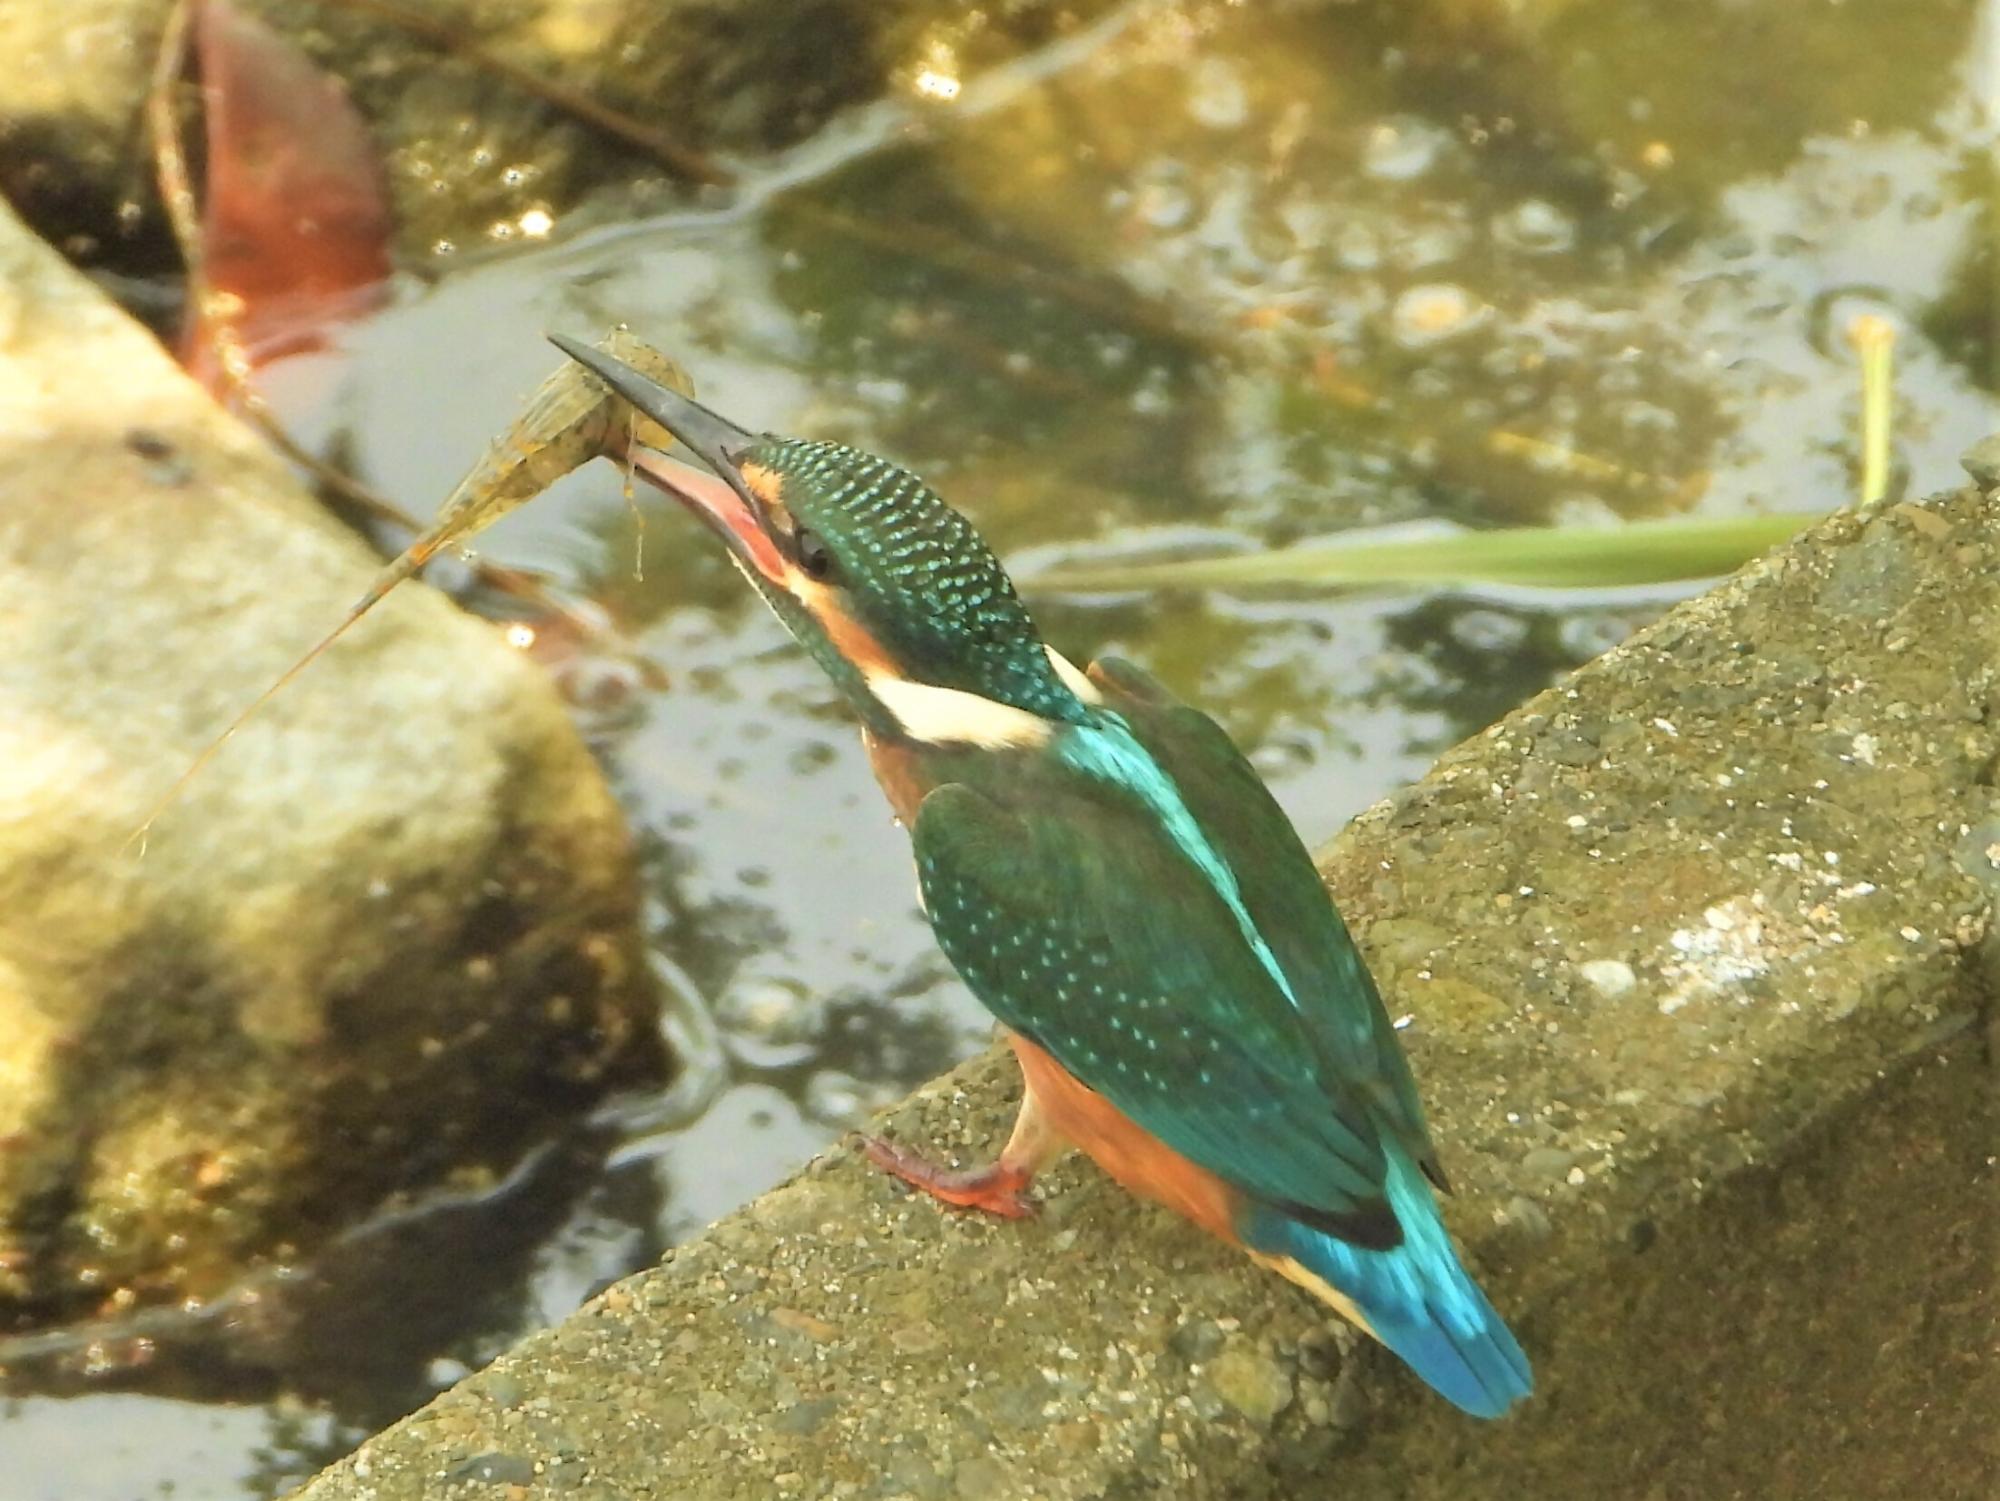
(850, 638)
(1140, 1161)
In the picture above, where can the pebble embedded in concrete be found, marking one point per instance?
(1250, 1382)
(1611, 978)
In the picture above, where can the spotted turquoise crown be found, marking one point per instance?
(917, 576)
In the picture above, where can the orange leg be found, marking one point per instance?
(995, 1188)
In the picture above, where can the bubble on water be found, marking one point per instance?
(1434, 312)
(884, 392)
(1432, 383)
(1402, 148)
(1648, 420)
(1164, 205)
(768, 1020)
(1838, 313)
(1430, 245)
(1356, 248)
(1154, 396)
(1535, 227)
(1581, 508)
(840, 1100)
(1592, 634)
(1283, 755)
(1216, 95)
(1499, 632)
(1308, 220)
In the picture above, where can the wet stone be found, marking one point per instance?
(1982, 462)
(1535, 227)
(1610, 978)
(399, 911)
(1250, 1383)
(1350, 1403)
(804, 1417)
(1548, 1162)
(1874, 577)
(982, 1478)
(908, 1471)
(1527, 1219)
(1569, 747)
(493, 1469)
(566, 1475)
(1196, 1342)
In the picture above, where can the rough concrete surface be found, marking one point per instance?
(1696, 947)
(390, 934)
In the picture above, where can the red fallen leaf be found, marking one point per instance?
(295, 214)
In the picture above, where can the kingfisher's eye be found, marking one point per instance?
(814, 558)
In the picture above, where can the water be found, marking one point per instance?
(1203, 273)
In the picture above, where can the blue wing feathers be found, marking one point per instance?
(1076, 925)
(1282, 888)
(1419, 1300)
(1140, 907)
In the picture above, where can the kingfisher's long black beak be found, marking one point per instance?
(726, 501)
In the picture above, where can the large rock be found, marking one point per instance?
(388, 936)
(1695, 950)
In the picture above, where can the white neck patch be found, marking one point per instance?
(951, 716)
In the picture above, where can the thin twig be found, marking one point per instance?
(169, 164)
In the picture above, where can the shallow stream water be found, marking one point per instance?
(1198, 276)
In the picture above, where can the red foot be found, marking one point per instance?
(995, 1189)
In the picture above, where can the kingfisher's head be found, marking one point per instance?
(889, 588)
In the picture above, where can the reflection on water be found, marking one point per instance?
(144, 1446)
(1206, 272)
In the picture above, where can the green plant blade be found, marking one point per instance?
(1642, 552)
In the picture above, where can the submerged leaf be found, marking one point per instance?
(1643, 552)
(295, 219)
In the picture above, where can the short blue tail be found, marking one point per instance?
(1417, 1297)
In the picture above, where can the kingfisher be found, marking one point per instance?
(1115, 883)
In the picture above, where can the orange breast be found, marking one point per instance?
(897, 769)
(1140, 1161)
